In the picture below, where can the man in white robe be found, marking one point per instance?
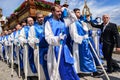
(53, 35)
(36, 36)
(82, 52)
(23, 39)
(6, 45)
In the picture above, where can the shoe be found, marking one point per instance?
(84, 74)
(80, 75)
(97, 74)
(109, 70)
(117, 70)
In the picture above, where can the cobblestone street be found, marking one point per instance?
(113, 76)
(5, 72)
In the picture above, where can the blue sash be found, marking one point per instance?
(66, 68)
(85, 53)
(43, 47)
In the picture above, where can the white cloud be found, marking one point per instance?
(113, 11)
(97, 8)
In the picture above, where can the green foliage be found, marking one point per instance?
(119, 28)
(18, 9)
(43, 5)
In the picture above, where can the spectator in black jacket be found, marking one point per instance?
(109, 37)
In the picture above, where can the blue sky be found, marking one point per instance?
(97, 7)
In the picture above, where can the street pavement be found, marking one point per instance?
(5, 72)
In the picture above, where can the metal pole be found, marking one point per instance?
(26, 58)
(99, 61)
(12, 59)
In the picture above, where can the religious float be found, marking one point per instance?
(28, 8)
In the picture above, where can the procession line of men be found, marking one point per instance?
(53, 48)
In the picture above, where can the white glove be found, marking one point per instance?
(31, 43)
(25, 41)
(62, 36)
(63, 8)
(36, 40)
(3, 41)
(15, 41)
(85, 36)
(10, 44)
(6, 43)
(72, 15)
(49, 14)
(11, 39)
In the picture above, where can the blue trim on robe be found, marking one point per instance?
(95, 59)
(31, 59)
(14, 53)
(43, 47)
(14, 33)
(30, 52)
(26, 30)
(64, 13)
(3, 51)
(69, 41)
(66, 69)
(100, 45)
(6, 36)
(3, 48)
(21, 54)
(46, 18)
(85, 54)
(21, 57)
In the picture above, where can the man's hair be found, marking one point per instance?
(28, 18)
(76, 9)
(38, 13)
(53, 7)
(23, 21)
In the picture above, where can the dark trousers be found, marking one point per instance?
(107, 52)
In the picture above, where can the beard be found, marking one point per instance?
(40, 23)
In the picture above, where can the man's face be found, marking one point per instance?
(18, 27)
(23, 24)
(6, 32)
(105, 19)
(30, 21)
(13, 30)
(77, 13)
(57, 13)
(10, 31)
(40, 18)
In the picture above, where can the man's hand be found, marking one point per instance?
(36, 40)
(117, 50)
(61, 37)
